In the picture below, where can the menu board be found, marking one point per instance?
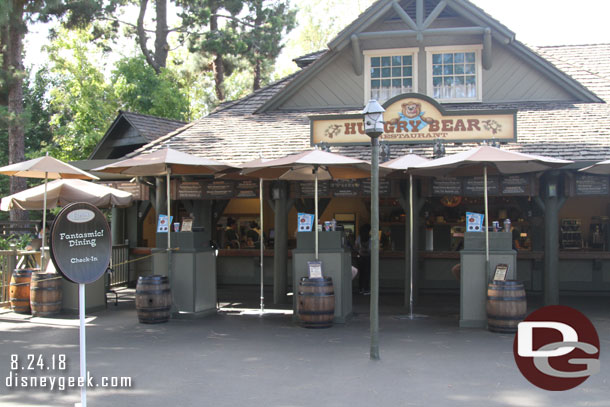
(346, 187)
(591, 184)
(190, 190)
(474, 186)
(247, 189)
(306, 189)
(516, 185)
(138, 191)
(446, 186)
(219, 190)
(385, 187)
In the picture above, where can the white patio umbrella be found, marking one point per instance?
(600, 168)
(487, 159)
(47, 168)
(61, 192)
(404, 165)
(312, 165)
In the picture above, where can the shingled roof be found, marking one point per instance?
(151, 127)
(235, 133)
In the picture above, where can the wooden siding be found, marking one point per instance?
(335, 86)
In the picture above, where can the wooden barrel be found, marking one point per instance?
(506, 306)
(316, 302)
(45, 294)
(19, 292)
(153, 299)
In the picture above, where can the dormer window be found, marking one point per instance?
(454, 73)
(389, 73)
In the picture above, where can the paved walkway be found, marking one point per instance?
(235, 359)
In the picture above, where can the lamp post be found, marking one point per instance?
(373, 127)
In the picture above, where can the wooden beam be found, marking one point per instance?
(414, 33)
(404, 16)
(357, 58)
(434, 14)
(486, 57)
(419, 13)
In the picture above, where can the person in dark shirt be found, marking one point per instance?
(253, 235)
(363, 248)
(231, 236)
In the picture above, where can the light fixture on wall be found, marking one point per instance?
(438, 150)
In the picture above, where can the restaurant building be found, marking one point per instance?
(450, 77)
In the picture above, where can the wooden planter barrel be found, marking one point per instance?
(45, 294)
(506, 306)
(19, 292)
(153, 299)
(316, 302)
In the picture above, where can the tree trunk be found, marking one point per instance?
(16, 132)
(219, 69)
(257, 75)
(161, 46)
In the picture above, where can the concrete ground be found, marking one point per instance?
(236, 358)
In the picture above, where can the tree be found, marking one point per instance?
(83, 104)
(139, 88)
(14, 18)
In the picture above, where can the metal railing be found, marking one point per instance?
(119, 265)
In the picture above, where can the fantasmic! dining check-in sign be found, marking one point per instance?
(415, 118)
(80, 242)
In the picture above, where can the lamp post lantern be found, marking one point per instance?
(373, 127)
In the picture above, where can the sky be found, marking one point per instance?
(535, 22)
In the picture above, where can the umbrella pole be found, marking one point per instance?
(169, 218)
(315, 223)
(44, 225)
(261, 241)
(486, 220)
(411, 245)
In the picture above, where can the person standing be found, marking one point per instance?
(363, 248)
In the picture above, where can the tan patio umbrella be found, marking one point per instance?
(404, 165)
(61, 192)
(486, 159)
(312, 165)
(45, 167)
(165, 162)
(600, 168)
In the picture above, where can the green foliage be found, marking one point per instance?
(139, 89)
(82, 102)
(21, 241)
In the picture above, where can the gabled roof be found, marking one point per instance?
(148, 127)
(463, 8)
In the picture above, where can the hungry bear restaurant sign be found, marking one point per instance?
(415, 118)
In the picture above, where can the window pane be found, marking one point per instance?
(469, 69)
(375, 61)
(407, 71)
(448, 70)
(395, 72)
(375, 72)
(471, 80)
(437, 69)
(459, 69)
(385, 72)
(448, 81)
(437, 81)
(407, 60)
(447, 58)
(459, 80)
(396, 83)
(407, 83)
(470, 57)
(437, 58)
(385, 83)
(459, 57)
(385, 61)
(375, 84)
(396, 60)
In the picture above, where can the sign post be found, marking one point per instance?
(80, 250)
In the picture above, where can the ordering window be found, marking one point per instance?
(454, 74)
(389, 73)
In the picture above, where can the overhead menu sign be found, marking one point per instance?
(474, 186)
(415, 118)
(586, 184)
